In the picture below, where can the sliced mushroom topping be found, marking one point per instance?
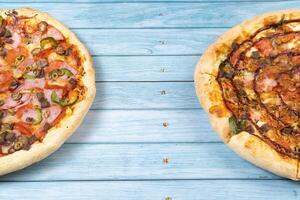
(42, 26)
(2, 31)
(24, 141)
(7, 33)
(2, 114)
(47, 126)
(2, 138)
(8, 40)
(249, 129)
(7, 126)
(255, 55)
(39, 73)
(264, 128)
(73, 82)
(3, 51)
(42, 99)
(287, 130)
(10, 137)
(32, 139)
(43, 62)
(60, 50)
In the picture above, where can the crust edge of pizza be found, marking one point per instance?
(244, 144)
(68, 125)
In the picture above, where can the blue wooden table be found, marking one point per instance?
(146, 136)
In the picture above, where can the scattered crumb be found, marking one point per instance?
(166, 160)
(163, 92)
(165, 124)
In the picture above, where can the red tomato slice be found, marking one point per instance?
(22, 109)
(12, 54)
(24, 128)
(44, 53)
(59, 117)
(56, 64)
(6, 78)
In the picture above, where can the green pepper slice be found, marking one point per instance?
(62, 102)
(66, 72)
(39, 118)
(60, 72)
(48, 40)
(235, 125)
(28, 76)
(1, 20)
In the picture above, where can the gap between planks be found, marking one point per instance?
(146, 1)
(149, 180)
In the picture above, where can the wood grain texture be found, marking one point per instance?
(145, 126)
(145, 68)
(148, 41)
(149, 190)
(141, 162)
(127, 1)
(145, 95)
(166, 15)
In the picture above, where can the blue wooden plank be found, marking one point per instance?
(149, 190)
(148, 41)
(145, 126)
(145, 68)
(145, 95)
(128, 1)
(141, 162)
(141, 15)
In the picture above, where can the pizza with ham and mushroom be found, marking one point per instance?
(47, 85)
(249, 83)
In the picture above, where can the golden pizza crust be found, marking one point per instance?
(209, 93)
(57, 135)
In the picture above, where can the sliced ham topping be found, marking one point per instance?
(16, 40)
(32, 83)
(10, 103)
(25, 112)
(27, 61)
(53, 32)
(52, 113)
(48, 93)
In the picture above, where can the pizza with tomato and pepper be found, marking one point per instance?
(249, 83)
(47, 85)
